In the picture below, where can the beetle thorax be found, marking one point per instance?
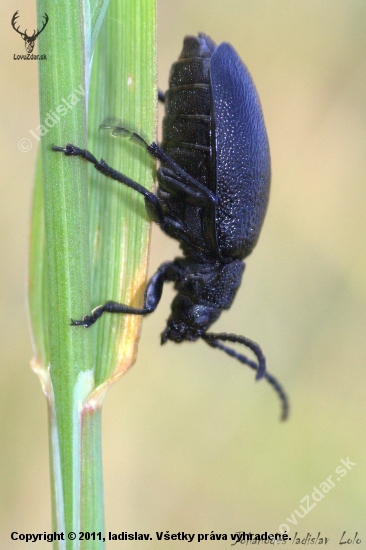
(204, 290)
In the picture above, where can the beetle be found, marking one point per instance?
(212, 194)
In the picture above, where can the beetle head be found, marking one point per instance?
(188, 321)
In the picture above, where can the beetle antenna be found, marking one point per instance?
(260, 368)
(212, 340)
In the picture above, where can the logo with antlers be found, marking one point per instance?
(29, 41)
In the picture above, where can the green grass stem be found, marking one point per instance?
(93, 242)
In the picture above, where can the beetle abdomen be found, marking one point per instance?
(187, 139)
(187, 121)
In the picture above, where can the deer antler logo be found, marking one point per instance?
(29, 41)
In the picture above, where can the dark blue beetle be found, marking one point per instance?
(212, 196)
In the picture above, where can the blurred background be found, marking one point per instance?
(191, 442)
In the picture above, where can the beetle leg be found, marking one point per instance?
(161, 96)
(156, 151)
(153, 292)
(152, 203)
(177, 188)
